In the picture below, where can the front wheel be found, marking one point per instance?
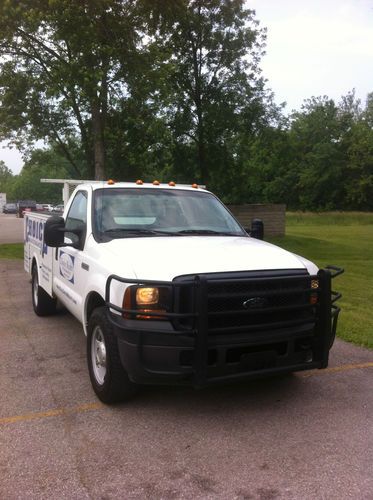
(43, 303)
(108, 377)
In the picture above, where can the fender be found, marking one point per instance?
(96, 285)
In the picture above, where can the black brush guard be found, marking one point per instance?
(322, 323)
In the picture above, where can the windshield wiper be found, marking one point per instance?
(138, 232)
(128, 232)
(206, 232)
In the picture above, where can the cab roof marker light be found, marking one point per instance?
(110, 182)
(156, 183)
(172, 183)
(139, 182)
(195, 186)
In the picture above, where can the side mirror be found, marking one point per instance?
(54, 231)
(257, 229)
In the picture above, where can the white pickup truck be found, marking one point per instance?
(171, 289)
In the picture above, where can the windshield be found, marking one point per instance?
(121, 213)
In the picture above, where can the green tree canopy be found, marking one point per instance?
(40, 164)
(215, 95)
(170, 90)
(325, 159)
(63, 67)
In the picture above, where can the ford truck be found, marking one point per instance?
(171, 289)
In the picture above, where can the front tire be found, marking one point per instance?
(43, 303)
(108, 377)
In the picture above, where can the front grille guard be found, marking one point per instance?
(335, 310)
(325, 327)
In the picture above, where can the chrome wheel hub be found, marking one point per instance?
(98, 355)
(35, 286)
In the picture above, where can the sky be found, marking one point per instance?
(317, 48)
(314, 47)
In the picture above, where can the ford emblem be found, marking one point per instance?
(255, 303)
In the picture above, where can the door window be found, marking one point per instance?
(77, 218)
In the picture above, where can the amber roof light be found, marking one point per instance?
(139, 182)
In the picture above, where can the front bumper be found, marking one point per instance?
(155, 352)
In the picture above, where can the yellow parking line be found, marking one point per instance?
(96, 406)
(51, 413)
(334, 369)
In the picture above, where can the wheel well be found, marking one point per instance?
(94, 300)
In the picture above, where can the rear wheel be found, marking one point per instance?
(43, 303)
(108, 377)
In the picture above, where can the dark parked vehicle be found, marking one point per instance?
(25, 206)
(10, 208)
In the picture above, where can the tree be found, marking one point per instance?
(63, 66)
(358, 176)
(5, 172)
(319, 159)
(6, 177)
(215, 95)
(140, 87)
(40, 164)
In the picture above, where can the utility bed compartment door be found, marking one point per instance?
(35, 248)
(45, 272)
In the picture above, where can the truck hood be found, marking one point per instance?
(164, 258)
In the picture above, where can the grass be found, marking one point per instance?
(327, 218)
(11, 251)
(346, 240)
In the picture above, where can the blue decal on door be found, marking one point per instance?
(66, 262)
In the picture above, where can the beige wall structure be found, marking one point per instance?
(272, 215)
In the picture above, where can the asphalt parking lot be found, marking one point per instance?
(303, 436)
(11, 229)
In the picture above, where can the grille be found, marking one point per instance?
(253, 302)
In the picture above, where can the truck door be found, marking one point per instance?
(68, 272)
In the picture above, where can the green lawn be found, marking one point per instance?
(346, 240)
(343, 239)
(11, 251)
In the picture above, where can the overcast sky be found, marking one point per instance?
(317, 47)
(314, 47)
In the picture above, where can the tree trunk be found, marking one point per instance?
(98, 142)
(197, 97)
(201, 150)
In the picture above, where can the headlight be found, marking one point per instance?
(147, 296)
(146, 300)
